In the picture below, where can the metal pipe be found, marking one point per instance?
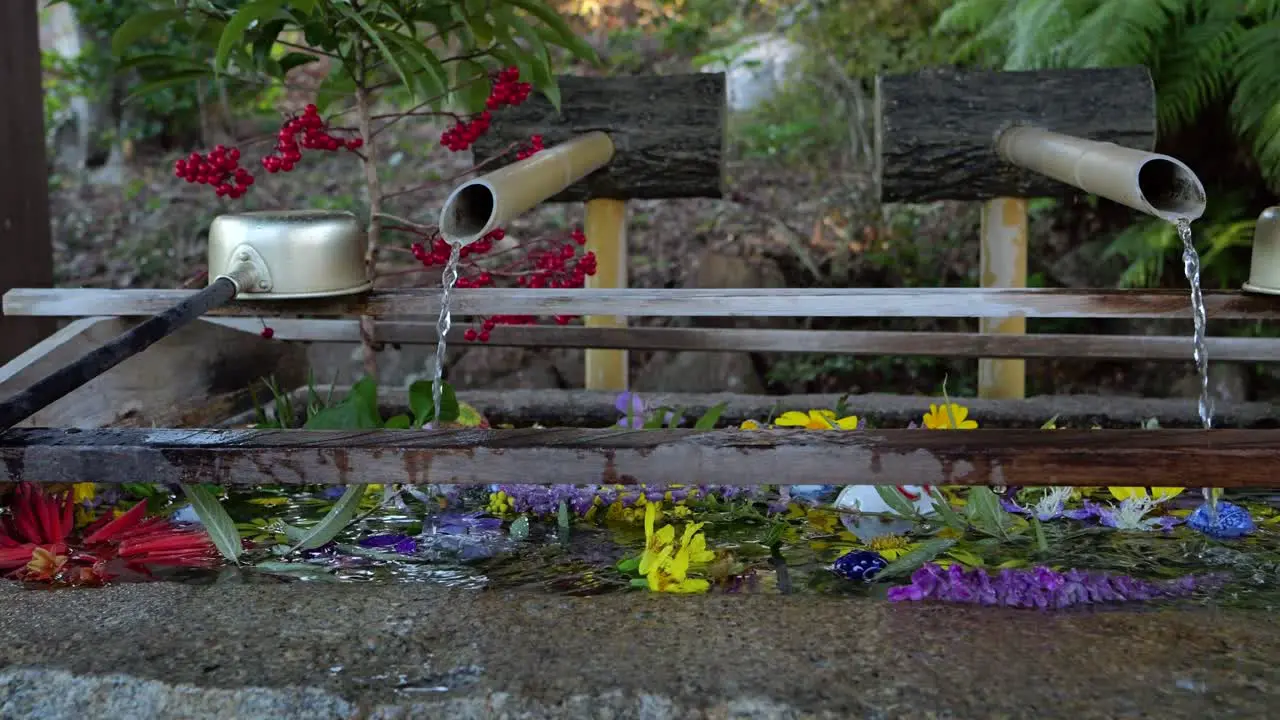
(68, 379)
(477, 206)
(1152, 183)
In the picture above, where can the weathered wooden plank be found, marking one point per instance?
(836, 342)
(753, 302)
(935, 129)
(197, 376)
(1240, 458)
(668, 132)
(587, 408)
(24, 188)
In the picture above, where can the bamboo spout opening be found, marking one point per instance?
(472, 210)
(476, 207)
(1156, 184)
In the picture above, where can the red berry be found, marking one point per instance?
(484, 336)
(469, 335)
(268, 333)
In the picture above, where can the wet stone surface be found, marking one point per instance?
(413, 650)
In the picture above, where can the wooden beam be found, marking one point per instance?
(836, 342)
(756, 302)
(935, 129)
(669, 132)
(1003, 255)
(1240, 458)
(25, 237)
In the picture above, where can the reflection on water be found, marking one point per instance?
(478, 551)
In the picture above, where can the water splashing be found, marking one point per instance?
(447, 280)
(1191, 266)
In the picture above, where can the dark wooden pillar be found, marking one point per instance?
(26, 245)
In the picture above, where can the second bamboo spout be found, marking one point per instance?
(1152, 183)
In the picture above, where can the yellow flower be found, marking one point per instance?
(816, 420)
(694, 543)
(938, 418)
(1158, 494)
(656, 544)
(749, 425)
(891, 547)
(670, 574)
(83, 492)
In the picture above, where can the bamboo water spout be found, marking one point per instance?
(478, 206)
(1152, 183)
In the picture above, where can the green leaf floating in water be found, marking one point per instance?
(895, 500)
(983, 508)
(332, 523)
(910, 562)
(949, 516)
(221, 528)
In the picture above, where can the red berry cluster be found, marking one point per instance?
(310, 126)
(219, 168)
(438, 255)
(559, 267)
(534, 147)
(507, 90)
(465, 132)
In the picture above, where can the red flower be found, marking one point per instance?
(36, 542)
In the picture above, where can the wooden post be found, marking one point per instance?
(1004, 265)
(606, 230)
(25, 238)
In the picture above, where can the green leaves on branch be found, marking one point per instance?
(433, 51)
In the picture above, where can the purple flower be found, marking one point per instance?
(633, 409)
(402, 544)
(472, 523)
(1037, 587)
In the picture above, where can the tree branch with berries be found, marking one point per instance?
(437, 58)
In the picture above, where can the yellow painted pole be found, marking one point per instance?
(606, 230)
(1004, 265)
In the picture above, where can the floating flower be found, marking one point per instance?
(1158, 494)
(664, 564)
(1131, 514)
(1230, 520)
(656, 543)
(860, 565)
(816, 420)
(36, 542)
(1037, 587)
(940, 418)
(402, 544)
(1051, 506)
(471, 523)
(891, 547)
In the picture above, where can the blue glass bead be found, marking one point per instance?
(1233, 521)
(859, 565)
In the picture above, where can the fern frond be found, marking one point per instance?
(1196, 68)
(1255, 109)
(1144, 245)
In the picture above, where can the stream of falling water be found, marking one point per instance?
(1191, 266)
(447, 280)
